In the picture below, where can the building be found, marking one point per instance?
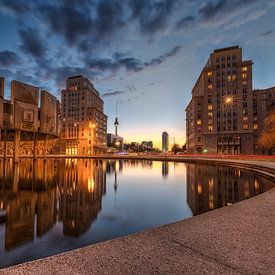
(114, 141)
(263, 104)
(32, 123)
(165, 142)
(84, 125)
(147, 145)
(219, 117)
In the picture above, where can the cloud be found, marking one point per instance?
(130, 64)
(9, 58)
(115, 93)
(32, 43)
(185, 22)
(68, 21)
(222, 9)
(153, 16)
(164, 57)
(128, 89)
(15, 7)
(267, 33)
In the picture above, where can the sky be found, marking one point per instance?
(142, 55)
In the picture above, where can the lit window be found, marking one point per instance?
(244, 69)
(210, 128)
(245, 118)
(210, 114)
(229, 78)
(210, 107)
(244, 76)
(199, 122)
(245, 126)
(244, 83)
(210, 87)
(255, 126)
(209, 73)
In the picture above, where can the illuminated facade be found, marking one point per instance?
(263, 104)
(84, 125)
(219, 115)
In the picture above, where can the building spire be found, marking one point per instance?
(116, 123)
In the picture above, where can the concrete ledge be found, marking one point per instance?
(231, 240)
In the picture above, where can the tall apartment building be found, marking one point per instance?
(219, 117)
(84, 125)
(165, 142)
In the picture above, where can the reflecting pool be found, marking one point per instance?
(52, 206)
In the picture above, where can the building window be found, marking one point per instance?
(245, 118)
(245, 126)
(210, 87)
(210, 74)
(210, 114)
(198, 122)
(210, 107)
(244, 76)
(244, 83)
(210, 128)
(255, 126)
(244, 69)
(229, 78)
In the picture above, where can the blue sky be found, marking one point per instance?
(143, 55)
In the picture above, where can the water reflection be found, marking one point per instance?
(211, 187)
(54, 202)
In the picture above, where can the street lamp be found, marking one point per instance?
(227, 100)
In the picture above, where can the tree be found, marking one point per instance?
(176, 148)
(267, 138)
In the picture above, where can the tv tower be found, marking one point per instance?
(116, 123)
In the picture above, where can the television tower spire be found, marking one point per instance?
(116, 123)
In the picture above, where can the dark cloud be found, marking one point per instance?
(68, 21)
(32, 43)
(267, 33)
(213, 9)
(91, 23)
(15, 6)
(115, 93)
(153, 16)
(110, 16)
(9, 58)
(164, 57)
(131, 64)
(185, 22)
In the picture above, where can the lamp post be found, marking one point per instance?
(227, 100)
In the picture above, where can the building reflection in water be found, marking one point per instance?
(66, 191)
(80, 194)
(165, 169)
(38, 196)
(211, 187)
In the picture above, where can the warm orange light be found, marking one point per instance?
(91, 185)
(228, 100)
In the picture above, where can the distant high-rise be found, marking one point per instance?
(165, 142)
(84, 124)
